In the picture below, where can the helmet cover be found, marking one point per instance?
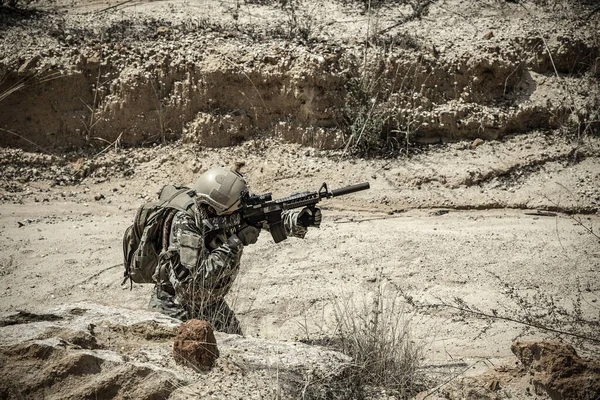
(220, 188)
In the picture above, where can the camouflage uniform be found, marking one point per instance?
(198, 270)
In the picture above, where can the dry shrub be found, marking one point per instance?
(376, 332)
(14, 3)
(381, 101)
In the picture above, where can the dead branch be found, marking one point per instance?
(517, 321)
(113, 6)
(418, 11)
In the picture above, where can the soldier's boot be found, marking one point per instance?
(164, 302)
(221, 316)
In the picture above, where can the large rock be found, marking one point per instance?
(88, 350)
(195, 345)
(559, 371)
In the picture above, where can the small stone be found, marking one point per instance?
(93, 61)
(99, 197)
(163, 30)
(237, 165)
(28, 65)
(476, 143)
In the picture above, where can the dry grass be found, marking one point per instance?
(11, 3)
(375, 331)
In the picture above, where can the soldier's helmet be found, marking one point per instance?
(220, 188)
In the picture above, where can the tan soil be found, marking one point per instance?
(496, 213)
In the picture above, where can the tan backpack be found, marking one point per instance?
(142, 241)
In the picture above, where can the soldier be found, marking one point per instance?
(198, 267)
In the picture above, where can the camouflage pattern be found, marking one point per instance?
(292, 227)
(219, 314)
(197, 270)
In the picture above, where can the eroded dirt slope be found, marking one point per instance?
(312, 72)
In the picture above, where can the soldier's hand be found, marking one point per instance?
(310, 217)
(248, 234)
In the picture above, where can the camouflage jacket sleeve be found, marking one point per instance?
(214, 268)
(292, 227)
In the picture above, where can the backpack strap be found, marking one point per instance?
(181, 199)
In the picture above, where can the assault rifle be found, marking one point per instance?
(260, 209)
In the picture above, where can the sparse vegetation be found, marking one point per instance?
(534, 309)
(382, 96)
(11, 3)
(374, 329)
(364, 115)
(37, 78)
(376, 333)
(302, 19)
(161, 111)
(381, 106)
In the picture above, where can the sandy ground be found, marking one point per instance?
(477, 242)
(66, 247)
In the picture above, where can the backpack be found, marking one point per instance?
(142, 241)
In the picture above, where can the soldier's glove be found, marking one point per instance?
(248, 234)
(310, 217)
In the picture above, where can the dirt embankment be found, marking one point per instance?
(215, 75)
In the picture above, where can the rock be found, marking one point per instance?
(476, 143)
(238, 165)
(28, 65)
(94, 61)
(87, 350)
(99, 197)
(67, 349)
(559, 371)
(163, 30)
(195, 345)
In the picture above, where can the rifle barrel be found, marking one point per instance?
(350, 189)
